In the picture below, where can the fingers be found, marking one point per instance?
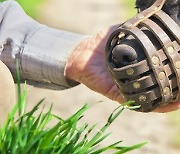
(168, 108)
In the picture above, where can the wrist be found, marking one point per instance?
(77, 61)
(69, 71)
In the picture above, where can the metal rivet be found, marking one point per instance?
(136, 85)
(166, 90)
(121, 35)
(128, 24)
(140, 16)
(154, 8)
(155, 60)
(142, 98)
(162, 75)
(170, 50)
(178, 64)
(130, 71)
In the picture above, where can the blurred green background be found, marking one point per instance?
(30, 6)
(89, 17)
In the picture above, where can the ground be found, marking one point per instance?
(88, 17)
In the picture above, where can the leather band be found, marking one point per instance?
(154, 81)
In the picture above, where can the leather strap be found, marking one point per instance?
(154, 81)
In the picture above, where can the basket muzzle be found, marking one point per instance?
(151, 75)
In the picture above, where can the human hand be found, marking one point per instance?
(86, 65)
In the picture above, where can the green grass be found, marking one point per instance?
(29, 132)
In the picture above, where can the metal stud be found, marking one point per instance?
(136, 85)
(155, 60)
(128, 24)
(162, 75)
(170, 50)
(166, 90)
(130, 71)
(121, 35)
(178, 64)
(140, 16)
(142, 98)
(154, 8)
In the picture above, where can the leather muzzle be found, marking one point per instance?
(154, 80)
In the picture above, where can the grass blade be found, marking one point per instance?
(127, 149)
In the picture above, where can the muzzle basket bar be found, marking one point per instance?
(154, 81)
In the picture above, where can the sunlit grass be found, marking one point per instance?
(30, 134)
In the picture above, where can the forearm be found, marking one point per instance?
(42, 51)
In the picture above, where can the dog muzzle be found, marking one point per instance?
(150, 77)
